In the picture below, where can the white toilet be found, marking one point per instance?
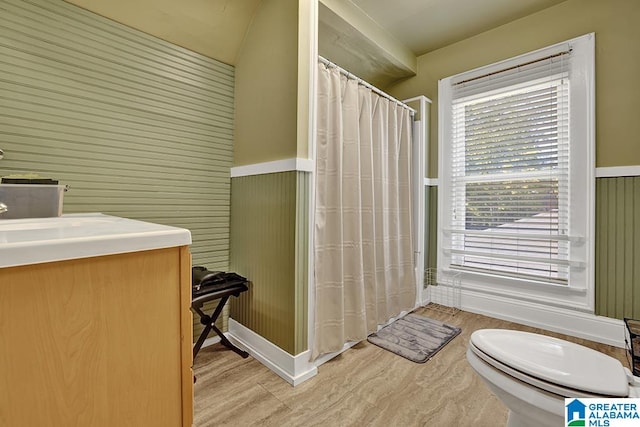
(532, 374)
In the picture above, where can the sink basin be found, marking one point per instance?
(36, 240)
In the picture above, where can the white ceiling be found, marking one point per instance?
(426, 25)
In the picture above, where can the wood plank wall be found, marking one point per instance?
(136, 126)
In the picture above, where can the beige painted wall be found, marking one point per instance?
(615, 23)
(307, 54)
(267, 86)
(214, 28)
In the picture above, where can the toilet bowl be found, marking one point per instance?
(532, 374)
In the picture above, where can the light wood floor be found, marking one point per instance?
(365, 386)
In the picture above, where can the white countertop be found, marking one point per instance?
(37, 240)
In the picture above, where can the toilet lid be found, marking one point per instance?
(553, 360)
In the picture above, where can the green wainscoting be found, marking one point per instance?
(618, 247)
(269, 237)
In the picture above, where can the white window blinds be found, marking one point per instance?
(516, 166)
(510, 171)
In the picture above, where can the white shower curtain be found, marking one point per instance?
(364, 273)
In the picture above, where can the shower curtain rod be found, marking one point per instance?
(349, 75)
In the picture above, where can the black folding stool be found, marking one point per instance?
(226, 285)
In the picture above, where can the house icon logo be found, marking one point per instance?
(576, 413)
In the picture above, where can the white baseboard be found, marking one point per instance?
(293, 369)
(297, 369)
(575, 323)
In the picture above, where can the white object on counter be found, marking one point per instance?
(72, 236)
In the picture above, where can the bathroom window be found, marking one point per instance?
(516, 162)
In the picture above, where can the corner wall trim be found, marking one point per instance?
(617, 171)
(293, 369)
(285, 165)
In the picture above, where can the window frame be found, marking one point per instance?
(579, 292)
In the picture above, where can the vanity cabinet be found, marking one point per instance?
(103, 340)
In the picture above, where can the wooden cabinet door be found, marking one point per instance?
(95, 342)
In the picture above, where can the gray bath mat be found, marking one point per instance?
(414, 337)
